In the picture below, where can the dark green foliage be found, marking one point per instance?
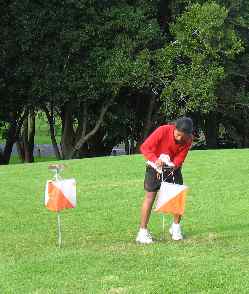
(104, 58)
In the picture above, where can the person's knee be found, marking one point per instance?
(150, 196)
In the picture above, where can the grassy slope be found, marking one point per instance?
(16, 160)
(99, 254)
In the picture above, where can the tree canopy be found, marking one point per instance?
(111, 71)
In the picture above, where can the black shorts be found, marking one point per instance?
(152, 180)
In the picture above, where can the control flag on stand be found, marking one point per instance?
(60, 194)
(171, 198)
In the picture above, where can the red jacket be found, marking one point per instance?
(162, 141)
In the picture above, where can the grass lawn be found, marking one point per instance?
(99, 254)
(16, 160)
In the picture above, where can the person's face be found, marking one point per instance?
(180, 137)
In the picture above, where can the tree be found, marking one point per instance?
(193, 65)
(82, 66)
(13, 81)
(233, 92)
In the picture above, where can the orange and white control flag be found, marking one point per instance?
(60, 195)
(171, 198)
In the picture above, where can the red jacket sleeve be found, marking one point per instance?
(180, 157)
(150, 144)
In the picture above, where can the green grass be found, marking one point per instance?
(99, 254)
(15, 159)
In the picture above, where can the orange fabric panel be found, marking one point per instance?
(57, 201)
(175, 205)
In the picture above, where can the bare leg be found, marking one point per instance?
(146, 208)
(177, 218)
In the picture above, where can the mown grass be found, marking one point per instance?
(15, 159)
(99, 254)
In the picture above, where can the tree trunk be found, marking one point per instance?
(243, 128)
(147, 123)
(25, 145)
(245, 142)
(245, 133)
(67, 138)
(31, 137)
(51, 119)
(10, 141)
(15, 124)
(24, 139)
(53, 140)
(20, 149)
(127, 146)
(85, 137)
(164, 15)
(97, 146)
(132, 146)
(211, 130)
(1, 156)
(8, 150)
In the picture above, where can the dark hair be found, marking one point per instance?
(185, 125)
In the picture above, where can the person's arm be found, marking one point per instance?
(148, 148)
(180, 157)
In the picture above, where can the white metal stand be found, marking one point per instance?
(163, 237)
(59, 229)
(57, 168)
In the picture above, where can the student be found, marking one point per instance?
(175, 141)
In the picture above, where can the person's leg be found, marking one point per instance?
(175, 229)
(177, 218)
(151, 185)
(144, 236)
(146, 208)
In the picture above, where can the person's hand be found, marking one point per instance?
(159, 163)
(166, 159)
(171, 164)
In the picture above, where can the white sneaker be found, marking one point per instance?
(175, 232)
(144, 237)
